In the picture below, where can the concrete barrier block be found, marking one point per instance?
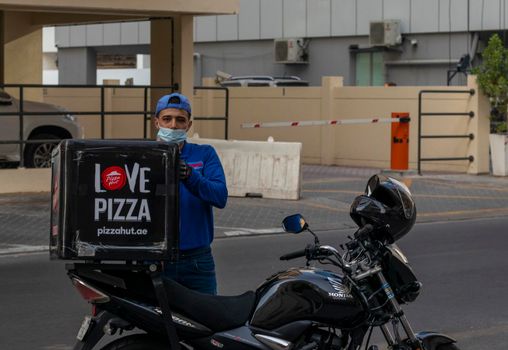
(25, 180)
(255, 168)
(252, 168)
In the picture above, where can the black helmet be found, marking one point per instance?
(388, 206)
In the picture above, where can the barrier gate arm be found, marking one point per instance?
(324, 122)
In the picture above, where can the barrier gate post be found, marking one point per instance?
(400, 142)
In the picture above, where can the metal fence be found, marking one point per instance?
(225, 118)
(102, 112)
(441, 114)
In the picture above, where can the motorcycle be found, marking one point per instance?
(306, 308)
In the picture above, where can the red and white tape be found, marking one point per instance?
(323, 122)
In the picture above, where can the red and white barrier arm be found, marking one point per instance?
(323, 122)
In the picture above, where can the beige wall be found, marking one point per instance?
(88, 100)
(78, 100)
(357, 145)
(352, 145)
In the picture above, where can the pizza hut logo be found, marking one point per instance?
(113, 178)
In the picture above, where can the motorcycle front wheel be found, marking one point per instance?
(137, 342)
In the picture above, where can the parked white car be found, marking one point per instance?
(263, 80)
(35, 127)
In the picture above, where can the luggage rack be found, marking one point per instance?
(88, 269)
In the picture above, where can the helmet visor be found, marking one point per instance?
(408, 205)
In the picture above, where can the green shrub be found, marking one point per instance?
(492, 77)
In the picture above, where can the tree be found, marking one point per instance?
(492, 77)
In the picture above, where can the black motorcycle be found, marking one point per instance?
(298, 309)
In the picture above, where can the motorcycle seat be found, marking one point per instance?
(216, 312)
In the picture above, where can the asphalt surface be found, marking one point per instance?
(458, 249)
(327, 193)
(462, 265)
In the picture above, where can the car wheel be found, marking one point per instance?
(38, 155)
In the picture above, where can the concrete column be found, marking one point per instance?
(70, 58)
(22, 52)
(161, 60)
(328, 85)
(171, 56)
(479, 126)
(184, 54)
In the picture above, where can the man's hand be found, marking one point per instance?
(185, 170)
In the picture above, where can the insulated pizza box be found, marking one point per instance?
(114, 200)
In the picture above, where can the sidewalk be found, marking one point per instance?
(327, 193)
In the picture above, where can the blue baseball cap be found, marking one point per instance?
(174, 100)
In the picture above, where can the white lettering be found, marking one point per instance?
(110, 209)
(122, 209)
(131, 177)
(132, 203)
(336, 295)
(144, 211)
(100, 207)
(143, 180)
(98, 188)
(120, 202)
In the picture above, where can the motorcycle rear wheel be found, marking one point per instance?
(136, 342)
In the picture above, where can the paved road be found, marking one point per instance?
(463, 266)
(327, 193)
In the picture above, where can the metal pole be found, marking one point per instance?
(21, 157)
(388, 336)
(419, 132)
(102, 112)
(398, 310)
(145, 106)
(227, 115)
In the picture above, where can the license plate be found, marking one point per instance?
(85, 326)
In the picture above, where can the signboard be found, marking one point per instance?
(114, 200)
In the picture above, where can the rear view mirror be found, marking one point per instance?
(294, 224)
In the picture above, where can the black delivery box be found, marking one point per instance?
(114, 200)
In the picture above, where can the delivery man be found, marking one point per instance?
(202, 186)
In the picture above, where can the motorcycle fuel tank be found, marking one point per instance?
(307, 294)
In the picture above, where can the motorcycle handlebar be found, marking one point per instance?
(294, 255)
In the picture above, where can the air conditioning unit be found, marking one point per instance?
(290, 50)
(385, 33)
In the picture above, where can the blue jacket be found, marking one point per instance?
(206, 187)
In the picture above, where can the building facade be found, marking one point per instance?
(333, 38)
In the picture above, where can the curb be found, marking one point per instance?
(14, 249)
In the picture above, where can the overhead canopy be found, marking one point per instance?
(46, 12)
(171, 36)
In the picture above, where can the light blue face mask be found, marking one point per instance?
(172, 135)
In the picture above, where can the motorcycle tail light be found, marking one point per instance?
(89, 293)
(95, 311)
